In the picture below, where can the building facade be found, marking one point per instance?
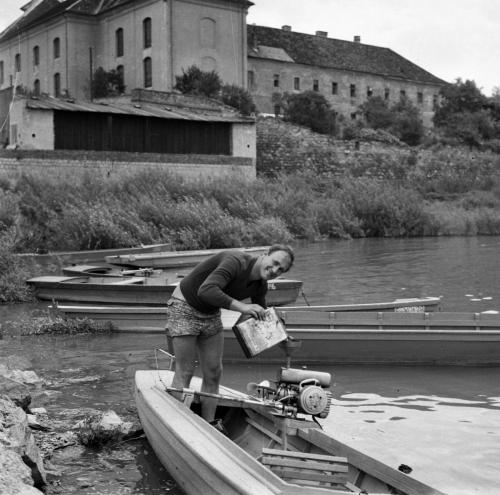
(347, 73)
(56, 45)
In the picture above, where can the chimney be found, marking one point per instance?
(286, 27)
(357, 39)
(322, 34)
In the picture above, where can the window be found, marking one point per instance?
(315, 85)
(369, 91)
(57, 48)
(148, 74)
(335, 88)
(402, 94)
(17, 62)
(277, 110)
(36, 87)
(146, 32)
(387, 93)
(251, 79)
(296, 83)
(420, 97)
(57, 84)
(353, 91)
(119, 42)
(36, 56)
(2, 75)
(276, 80)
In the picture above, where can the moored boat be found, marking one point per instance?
(91, 256)
(436, 338)
(271, 446)
(139, 291)
(174, 259)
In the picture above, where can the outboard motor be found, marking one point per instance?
(299, 391)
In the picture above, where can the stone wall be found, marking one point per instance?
(16, 162)
(285, 146)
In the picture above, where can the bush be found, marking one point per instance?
(407, 124)
(194, 81)
(377, 113)
(310, 109)
(238, 98)
(107, 83)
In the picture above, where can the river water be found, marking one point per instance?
(444, 422)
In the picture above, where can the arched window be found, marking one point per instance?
(36, 87)
(57, 84)
(57, 47)
(36, 56)
(148, 73)
(119, 42)
(207, 37)
(146, 32)
(2, 75)
(17, 62)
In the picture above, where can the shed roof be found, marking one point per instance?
(142, 109)
(332, 53)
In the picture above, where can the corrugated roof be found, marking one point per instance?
(140, 110)
(332, 53)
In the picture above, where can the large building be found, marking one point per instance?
(54, 48)
(346, 73)
(56, 45)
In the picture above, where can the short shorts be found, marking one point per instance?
(183, 319)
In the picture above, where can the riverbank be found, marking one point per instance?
(36, 447)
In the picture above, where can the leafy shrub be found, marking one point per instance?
(238, 98)
(107, 83)
(310, 109)
(44, 325)
(194, 81)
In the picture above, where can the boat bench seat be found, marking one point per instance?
(306, 469)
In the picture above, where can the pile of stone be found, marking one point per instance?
(22, 470)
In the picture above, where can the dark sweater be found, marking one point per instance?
(225, 276)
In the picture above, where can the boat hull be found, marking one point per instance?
(91, 256)
(203, 460)
(139, 291)
(403, 339)
(175, 259)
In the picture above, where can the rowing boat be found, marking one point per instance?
(139, 291)
(270, 446)
(435, 338)
(90, 256)
(174, 259)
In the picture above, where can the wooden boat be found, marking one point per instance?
(409, 305)
(270, 448)
(91, 256)
(139, 291)
(436, 338)
(174, 259)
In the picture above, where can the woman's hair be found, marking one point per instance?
(283, 247)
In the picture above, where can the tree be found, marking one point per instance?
(310, 109)
(238, 98)
(407, 124)
(194, 81)
(457, 98)
(107, 83)
(377, 113)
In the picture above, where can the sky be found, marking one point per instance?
(449, 38)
